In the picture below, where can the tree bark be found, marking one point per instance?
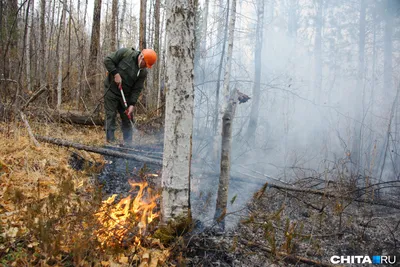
(227, 75)
(180, 17)
(114, 18)
(252, 128)
(94, 47)
(60, 54)
(226, 146)
(121, 23)
(142, 24)
(42, 57)
(216, 110)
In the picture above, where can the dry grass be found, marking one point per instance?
(47, 208)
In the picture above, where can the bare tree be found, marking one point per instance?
(114, 18)
(318, 50)
(180, 17)
(359, 94)
(227, 75)
(142, 24)
(60, 55)
(94, 45)
(227, 117)
(251, 130)
(121, 22)
(42, 57)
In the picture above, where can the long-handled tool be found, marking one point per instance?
(126, 106)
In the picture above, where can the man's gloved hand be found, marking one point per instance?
(129, 112)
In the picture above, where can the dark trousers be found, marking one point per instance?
(113, 104)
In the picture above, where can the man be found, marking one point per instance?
(127, 68)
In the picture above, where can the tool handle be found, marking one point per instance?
(124, 99)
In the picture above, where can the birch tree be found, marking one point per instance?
(227, 75)
(180, 17)
(227, 117)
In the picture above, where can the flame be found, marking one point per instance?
(127, 220)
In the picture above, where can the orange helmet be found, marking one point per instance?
(149, 57)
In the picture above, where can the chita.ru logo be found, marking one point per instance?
(363, 259)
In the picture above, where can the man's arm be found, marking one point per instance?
(112, 60)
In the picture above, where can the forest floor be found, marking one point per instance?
(49, 213)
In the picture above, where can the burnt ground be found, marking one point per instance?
(282, 223)
(274, 227)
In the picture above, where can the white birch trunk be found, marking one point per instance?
(180, 16)
(225, 90)
(226, 147)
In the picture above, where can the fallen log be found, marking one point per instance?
(69, 116)
(66, 116)
(98, 150)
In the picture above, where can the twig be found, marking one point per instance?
(28, 127)
(266, 176)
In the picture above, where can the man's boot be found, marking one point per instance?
(127, 134)
(110, 136)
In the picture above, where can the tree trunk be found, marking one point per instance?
(142, 23)
(226, 145)
(180, 19)
(203, 41)
(251, 130)
(114, 18)
(388, 50)
(94, 47)
(42, 57)
(318, 52)
(60, 55)
(216, 110)
(29, 22)
(154, 89)
(121, 23)
(227, 75)
(359, 95)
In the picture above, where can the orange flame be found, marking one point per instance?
(119, 221)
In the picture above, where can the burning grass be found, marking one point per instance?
(53, 215)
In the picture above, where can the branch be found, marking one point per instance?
(29, 129)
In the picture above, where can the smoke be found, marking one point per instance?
(303, 128)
